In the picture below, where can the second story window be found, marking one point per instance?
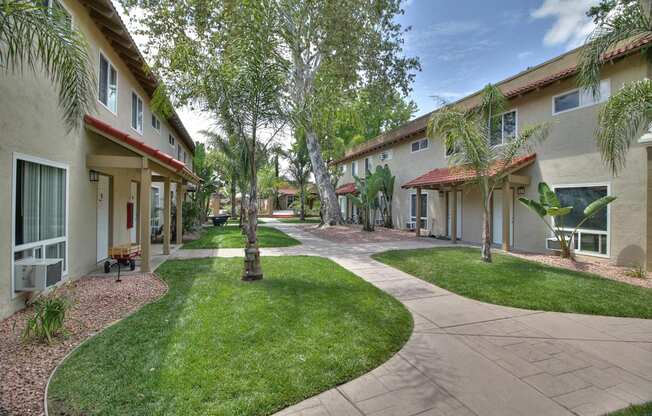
(108, 88)
(136, 113)
(419, 145)
(156, 124)
(503, 129)
(579, 98)
(367, 165)
(171, 140)
(179, 151)
(385, 155)
(354, 168)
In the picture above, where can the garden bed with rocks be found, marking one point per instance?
(354, 234)
(96, 303)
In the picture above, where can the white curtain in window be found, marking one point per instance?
(52, 202)
(29, 185)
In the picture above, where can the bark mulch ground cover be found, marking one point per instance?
(96, 303)
(353, 234)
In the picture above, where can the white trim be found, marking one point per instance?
(142, 122)
(587, 231)
(117, 82)
(419, 141)
(579, 98)
(174, 139)
(354, 172)
(27, 158)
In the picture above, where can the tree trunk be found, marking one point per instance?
(302, 213)
(233, 191)
(486, 231)
(330, 207)
(389, 223)
(252, 269)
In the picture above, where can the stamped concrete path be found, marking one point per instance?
(472, 358)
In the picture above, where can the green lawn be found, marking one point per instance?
(215, 345)
(308, 220)
(231, 237)
(639, 410)
(515, 282)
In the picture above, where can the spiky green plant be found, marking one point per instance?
(549, 205)
(367, 198)
(630, 108)
(468, 133)
(43, 40)
(386, 181)
(48, 319)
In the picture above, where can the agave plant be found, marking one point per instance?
(549, 205)
(367, 199)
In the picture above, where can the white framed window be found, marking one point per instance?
(59, 10)
(424, 209)
(580, 98)
(354, 168)
(108, 85)
(156, 124)
(385, 155)
(136, 112)
(171, 140)
(368, 165)
(343, 168)
(179, 152)
(40, 207)
(419, 145)
(505, 128)
(594, 236)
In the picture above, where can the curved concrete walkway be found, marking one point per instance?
(472, 358)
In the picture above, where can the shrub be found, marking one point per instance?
(637, 271)
(48, 319)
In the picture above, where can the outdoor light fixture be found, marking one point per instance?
(520, 190)
(93, 176)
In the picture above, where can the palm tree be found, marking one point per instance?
(42, 39)
(299, 169)
(629, 109)
(468, 133)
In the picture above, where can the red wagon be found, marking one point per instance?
(122, 255)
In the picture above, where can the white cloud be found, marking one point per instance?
(571, 25)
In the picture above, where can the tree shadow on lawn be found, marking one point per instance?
(217, 345)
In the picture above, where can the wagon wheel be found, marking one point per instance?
(107, 266)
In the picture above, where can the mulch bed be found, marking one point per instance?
(96, 303)
(601, 268)
(353, 234)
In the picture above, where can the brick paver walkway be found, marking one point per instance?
(472, 358)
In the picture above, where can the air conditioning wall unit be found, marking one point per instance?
(411, 225)
(385, 155)
(32, 275)
(380, 221)
(552, 244)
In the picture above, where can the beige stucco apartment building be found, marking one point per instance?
(567, 160)
(71, 196)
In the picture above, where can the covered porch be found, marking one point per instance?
(129, 174)
(449, 182)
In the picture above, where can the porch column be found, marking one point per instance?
(418, 219)
(166, 216)
(180, 192)
(452, 196)
(145, 207)
(507, 202)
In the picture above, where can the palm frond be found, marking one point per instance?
(524, 142)
(624, 23)
(42, 40)
(621, 119)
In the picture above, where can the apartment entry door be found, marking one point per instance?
(497, 220)
(449, 214)
(133, 199)
(103, 201)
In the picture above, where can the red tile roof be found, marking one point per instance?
(347, 188)
(460, 174)
(125, 138)
(287, 191)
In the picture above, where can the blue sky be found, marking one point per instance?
(465, 44)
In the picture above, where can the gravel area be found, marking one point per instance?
(600, 268)
(353, 234)
(96, 303)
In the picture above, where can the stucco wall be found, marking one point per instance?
(31, 124)
(568, 156)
